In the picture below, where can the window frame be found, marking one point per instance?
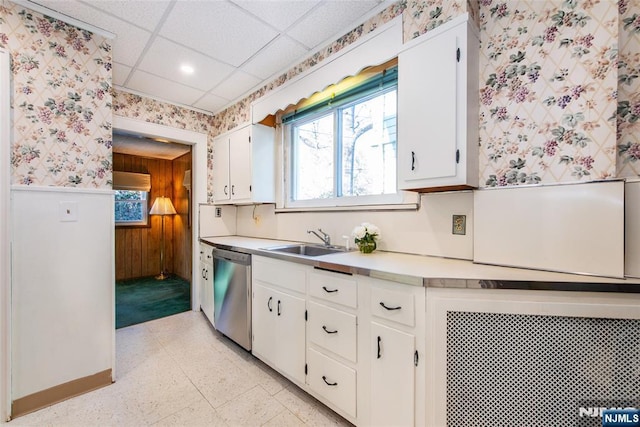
(145, 223)
(397, 198)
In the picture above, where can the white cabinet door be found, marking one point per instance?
(221, 188)
(263, 324)
(240, 164)
(392, 376)
(438, 110)
(290, 328)
(427, 109)
(279, 330)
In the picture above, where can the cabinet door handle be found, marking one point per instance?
(329, 290)
(279, 312)
(415, 358)
(390, 308)
(413, 160)
(203, 276)
(226, 193)
(327, 382)
(269, 304)
(206, 274)
(233, 190)
(328, 331)
(379, 353)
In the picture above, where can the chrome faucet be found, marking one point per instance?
(326, 239)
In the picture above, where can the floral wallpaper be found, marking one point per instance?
(61, 101)
(548, 88)
(628, 135)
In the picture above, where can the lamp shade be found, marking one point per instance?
(162, 206)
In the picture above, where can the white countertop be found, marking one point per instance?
(418, 266)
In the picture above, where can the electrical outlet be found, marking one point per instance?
(459, 225)
(218, 212)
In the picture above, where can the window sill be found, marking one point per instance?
(370, 208)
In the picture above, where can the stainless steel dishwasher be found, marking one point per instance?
(232, 295)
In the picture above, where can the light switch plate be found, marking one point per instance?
(459, 224)
(218, 213)
(68, 211)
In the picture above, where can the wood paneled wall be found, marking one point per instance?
(138, 248)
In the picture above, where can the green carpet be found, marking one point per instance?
(141, 300)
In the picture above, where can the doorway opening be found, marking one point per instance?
(153, 238)
(187, 214)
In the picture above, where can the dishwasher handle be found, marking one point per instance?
(232, 256)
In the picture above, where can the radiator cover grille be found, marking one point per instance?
(529, 370)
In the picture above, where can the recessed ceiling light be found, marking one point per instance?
(187, 69)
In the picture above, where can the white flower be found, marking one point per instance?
(359, 232)
(373, 230)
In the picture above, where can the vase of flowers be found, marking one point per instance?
(365, 235)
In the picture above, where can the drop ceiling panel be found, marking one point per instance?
(280, 14)
(329, 19)
(211, 102)
(130, 40)
(275, 57)
(218, 29)
(208, 72)
(144, 14)
(171, 91)
(120, 74)
(237, 84)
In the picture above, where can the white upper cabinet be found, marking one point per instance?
(438, 110)
(244, 166)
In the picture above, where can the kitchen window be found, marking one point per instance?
(131, 198)
(341, 150)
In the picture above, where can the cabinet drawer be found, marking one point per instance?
(393, 305)
(333, 381)
(332, 329)
(284, 274)
(334, 287)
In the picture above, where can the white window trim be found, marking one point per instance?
(401, 200)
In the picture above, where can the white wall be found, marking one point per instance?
(5, 276)
(62, 288)
(212, 226)
(427, 231)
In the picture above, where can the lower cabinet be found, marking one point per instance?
(355, 343)
(392, 376)
(206, 281)
(278, 327)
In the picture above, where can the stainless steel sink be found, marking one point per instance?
(307, 250)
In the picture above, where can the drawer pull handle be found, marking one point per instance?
(379, 353)
(413, 160)
(269, 304)
(328, 331)
(390, 308)
(327, 382)
(279, 312)
(329, 290)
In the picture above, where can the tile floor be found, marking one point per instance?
(179, 371)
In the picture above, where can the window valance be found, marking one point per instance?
(131, 181)
(376, 48)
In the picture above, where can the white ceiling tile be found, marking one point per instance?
(211, 102)
(276, 57)
(329, 19)
(146, 14)
(120, 73)
(280, 14)
(218, 29)
(162, 88)
(236, 85)
(208, 72)
(130, 40)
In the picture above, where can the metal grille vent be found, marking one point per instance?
(511, 370)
